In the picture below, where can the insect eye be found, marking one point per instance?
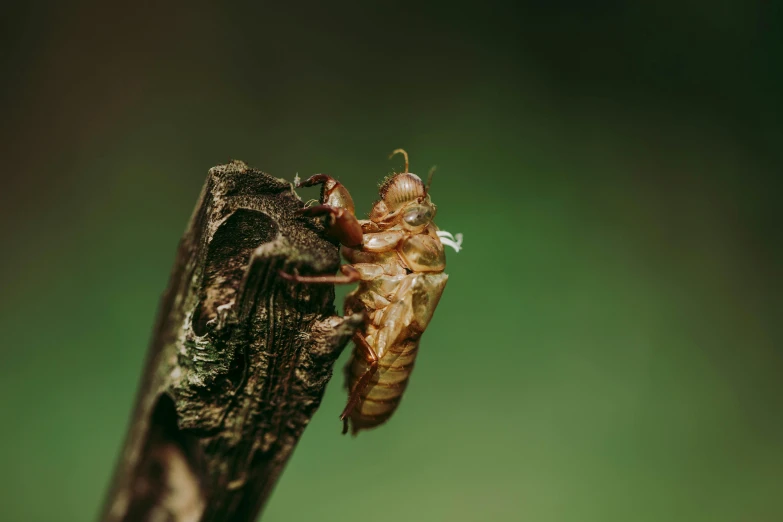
(418, 215)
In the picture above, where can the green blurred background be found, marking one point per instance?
(609, 345)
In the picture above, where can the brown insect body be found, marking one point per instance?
(399, 266)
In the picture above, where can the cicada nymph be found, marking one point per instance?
(397, 257)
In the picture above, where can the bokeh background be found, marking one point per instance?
(609, 345)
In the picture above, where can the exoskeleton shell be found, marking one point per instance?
(402, 188)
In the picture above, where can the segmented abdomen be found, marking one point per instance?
(382, 396)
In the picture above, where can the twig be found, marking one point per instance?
(239, 359)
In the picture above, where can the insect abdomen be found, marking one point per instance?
(381, 397)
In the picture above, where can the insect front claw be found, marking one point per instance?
(289, 277)
(349, 275)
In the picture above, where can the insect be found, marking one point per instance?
(397, 257)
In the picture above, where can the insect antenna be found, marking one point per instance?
(404, 155)
(429, 179)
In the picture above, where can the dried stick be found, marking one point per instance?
(239, 358)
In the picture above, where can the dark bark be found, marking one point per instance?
(239, 358)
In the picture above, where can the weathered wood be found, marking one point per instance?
(239, 358)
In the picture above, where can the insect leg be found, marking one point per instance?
(372, 359)
(341, 224)
(350, 275)
(316, 179)
(319, 210)
(333, 193)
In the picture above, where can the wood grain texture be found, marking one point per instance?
(239, 358)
